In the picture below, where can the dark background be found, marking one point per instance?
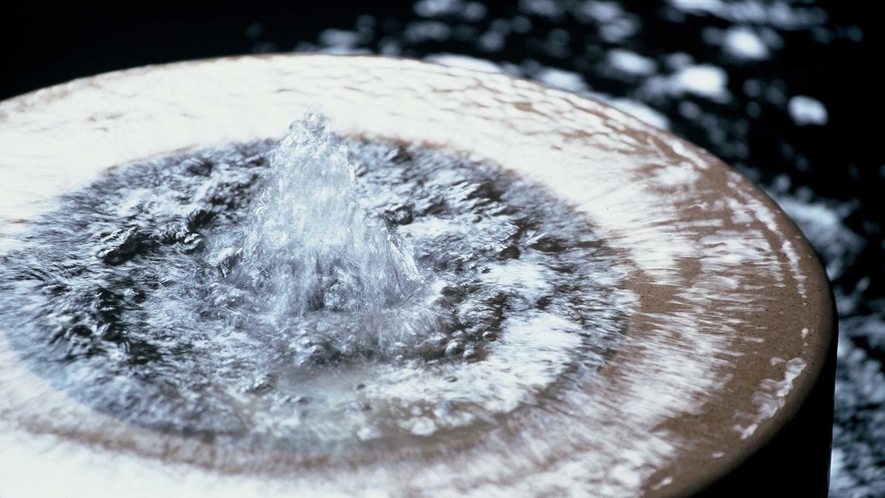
(829, 176)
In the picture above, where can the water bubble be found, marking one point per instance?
(454, 347)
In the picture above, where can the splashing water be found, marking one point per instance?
(310, 247)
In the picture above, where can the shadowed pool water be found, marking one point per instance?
(319, 295)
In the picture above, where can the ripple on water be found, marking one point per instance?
(319, 295)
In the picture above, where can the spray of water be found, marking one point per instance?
(311, 256)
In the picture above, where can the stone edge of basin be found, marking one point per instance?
(794, 456)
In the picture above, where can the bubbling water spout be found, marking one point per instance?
(309, 245)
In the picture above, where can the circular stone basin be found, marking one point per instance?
(690, 354)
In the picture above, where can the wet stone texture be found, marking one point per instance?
(145, 296)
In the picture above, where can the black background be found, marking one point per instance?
(43, 45)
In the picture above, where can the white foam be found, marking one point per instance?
(772, 394)
(542, 345)
(526, 278)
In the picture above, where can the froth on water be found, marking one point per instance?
(319, 295)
